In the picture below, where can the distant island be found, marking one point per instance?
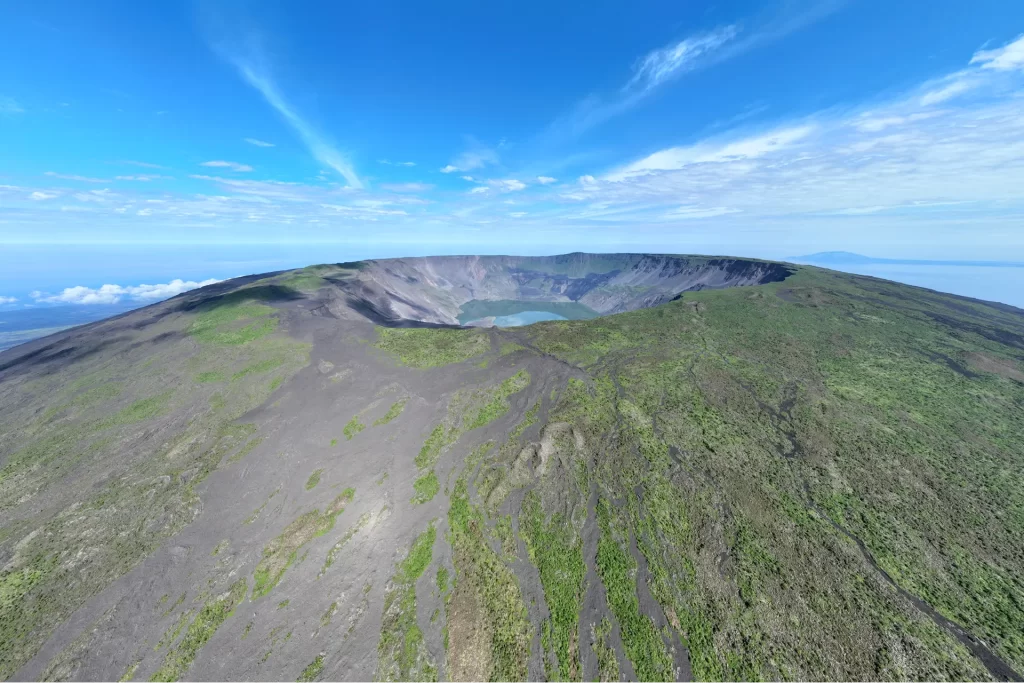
(847, 258)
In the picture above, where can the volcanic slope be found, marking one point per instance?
(761, 471)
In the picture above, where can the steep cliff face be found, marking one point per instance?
(432, 289)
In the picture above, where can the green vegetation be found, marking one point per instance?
(640, 637)
(202, 628)
(429, 348)
(489, 619)
(139, 411)
(754, 434)
(426, 488)
(313, 670)
(259, 367)
(332, 554)
(394, 411)
(232, 321)
(129, 673)
(325, 620)
(607, 664)
(480, 308)
(282, 552)
(313, 480)
(402, 654)
(130, 413)
(442, 580)
(755, 452)
(497, 403)
(558, 554)
(353, 427)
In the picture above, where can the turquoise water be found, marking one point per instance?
(526, 318)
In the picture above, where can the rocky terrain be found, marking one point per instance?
(751, 470)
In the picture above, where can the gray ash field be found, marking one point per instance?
(741, 470)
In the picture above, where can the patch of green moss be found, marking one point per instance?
(640, 637)
(209, 377)
(332, 554)
(140, 410)
(282, 552)
(313, 670)
(394, 411)
(426, 488)
(214, 613)
(557, 551)
(259, 367)
(313, 480)
(428, 348)
(497, 403)
(353, 427)
(496, 592)
(233, 323)
(402, 653)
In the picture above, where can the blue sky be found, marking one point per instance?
(769, 128)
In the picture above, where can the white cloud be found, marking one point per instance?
(546, 180)
(39, 196)
(319, 147)
(480, 190)
(144, 177)
(396, 163)
(477, 156)
(77, 178)
(9, 105)
(7, 300)
(750, 147)
(509, 185)
(259, 143)
(663, 64)
(947, 92)
(406, 187)
(872, 124)
(517, 214)
(469, 178)
(233, 165)
(1007, 58)
(143, 164)
(690, 212)
(112, 294)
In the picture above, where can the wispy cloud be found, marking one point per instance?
(546, 180)
(895, 161)
(77, 178)
(734, 150)
(142, 164)
(386, 162)
(40, 196)
(7, 300)
(233, 165)
(259, 143)
(9, 105)
(406, 187)
(662, 65)
(112, 294)
(475, 156)
(508, 185)
(1010, 57)
(253, 70)
(144, 177)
